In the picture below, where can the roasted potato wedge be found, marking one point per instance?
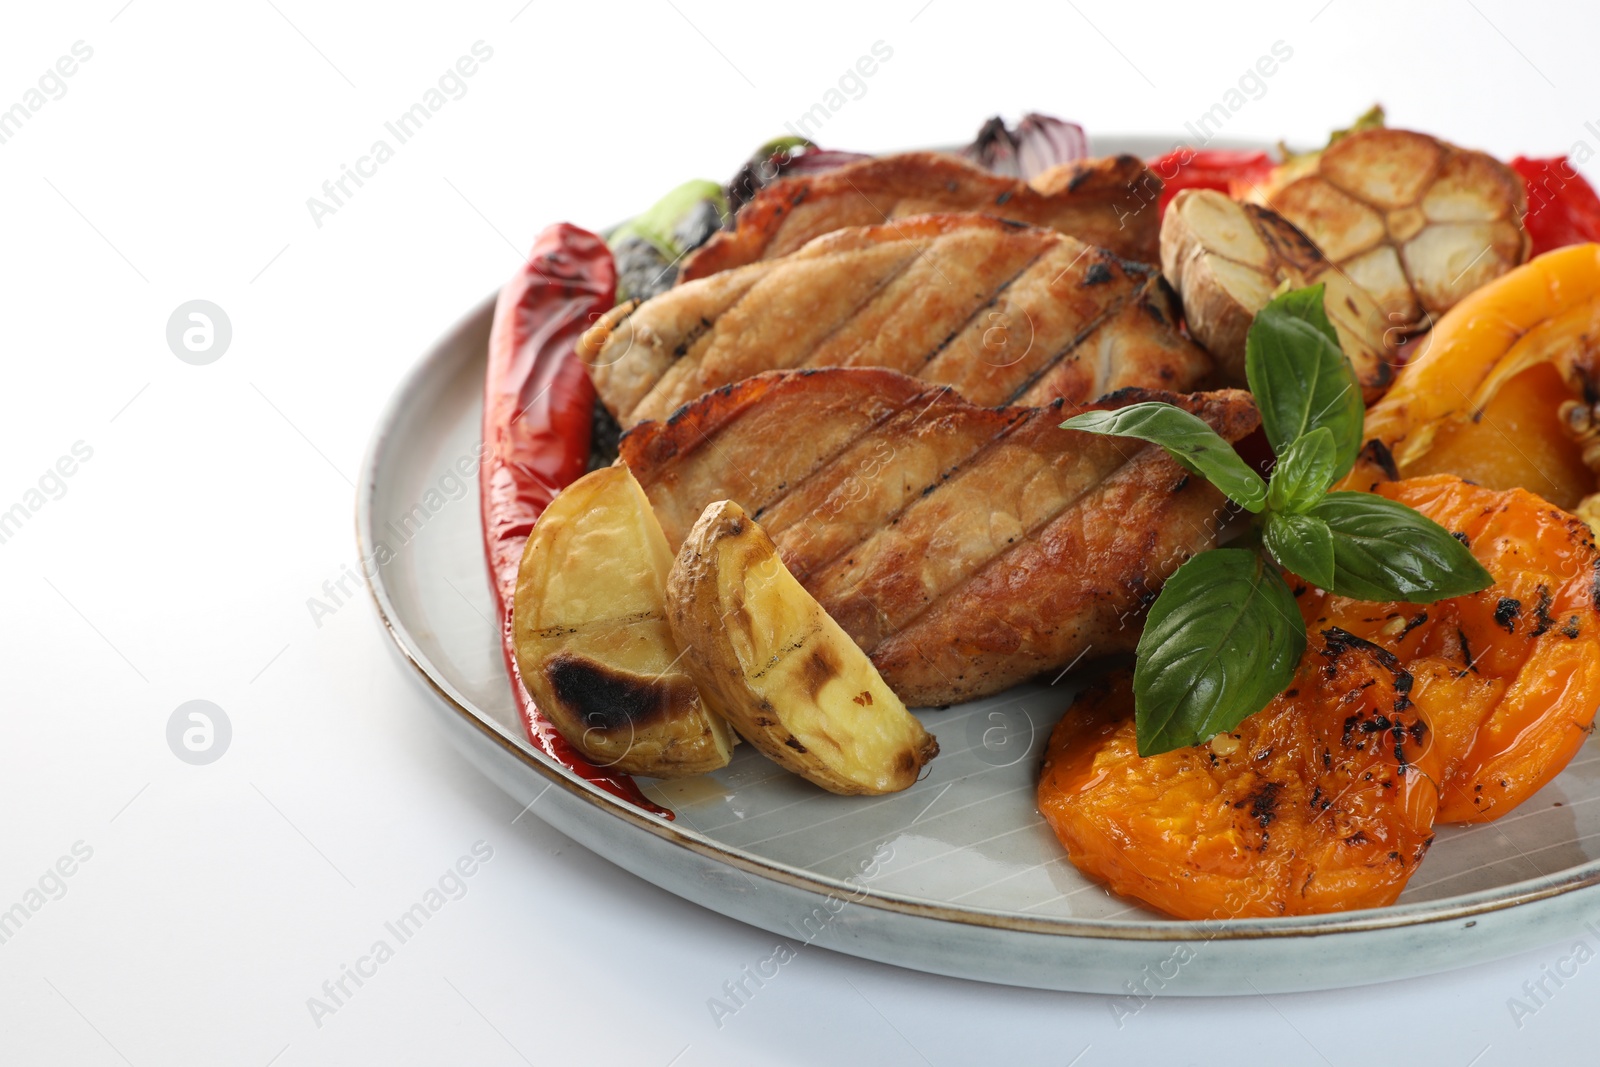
(1413, 220)
(1228, 259)
(592, 639)
(780, 669)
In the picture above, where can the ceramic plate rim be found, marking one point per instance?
(443, 357)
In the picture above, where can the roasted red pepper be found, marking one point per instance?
(1562, 207)
(538, 402)
(1225, 170)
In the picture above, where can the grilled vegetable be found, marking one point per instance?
(1531, 643)
(1297, 164)
(1228, 259)
(648, 248)
(1400, 716)
(1413, 220)
(789, 679)
(1229, 171)
(1256, 822)
(1039, 143)
(1562, 206)
(1501, 391)
(536, 421)
(781, 157)
(592, 638)
(1224, 636)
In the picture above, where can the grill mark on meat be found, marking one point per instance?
(785, 490)
(957, 249)
(1084, 499)
(819, 577)
(797, 484)
(1088, 482)
(950, 473)
(709, 347)
(990, 621)
(691, 360)
(994, 298)
(692, 338)
(1130, 469)
(866, 302)
(1083, 335)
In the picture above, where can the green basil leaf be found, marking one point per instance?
(1384, 550)
(1304, 472)
(1223, 638)
(1187, 438)
(1301, 378)
(1303, 544)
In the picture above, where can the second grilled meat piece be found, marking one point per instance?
(1106, 202)
(1005, 313)
(964, 548)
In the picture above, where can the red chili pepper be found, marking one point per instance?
(538, 402)
(1562, 207)
(1225, 170)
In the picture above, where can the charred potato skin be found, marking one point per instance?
(592, 642)
(644, 724)
(714, 620)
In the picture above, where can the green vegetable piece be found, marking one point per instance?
(1301, 378)
(658, 223)
(1187, 438)
(1223, 638)
(1303, 544)
(1304, 472)
(1384, 550)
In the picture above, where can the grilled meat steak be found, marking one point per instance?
(964, 548)
(1106, 202)
(1008, 314)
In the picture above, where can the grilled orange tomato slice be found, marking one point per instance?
(1400, 716)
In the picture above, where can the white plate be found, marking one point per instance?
(959, 874)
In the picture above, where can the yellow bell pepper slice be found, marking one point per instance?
(1504, 391)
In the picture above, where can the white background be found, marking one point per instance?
(179, 560)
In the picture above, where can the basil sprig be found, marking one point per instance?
(1228, 635)
(1225, 636)
(1197, 447)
